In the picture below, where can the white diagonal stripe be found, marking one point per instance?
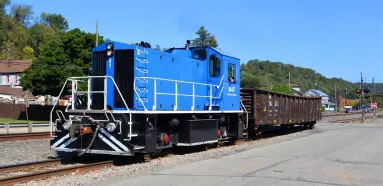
(114, 139)
(60, 141)
(108, 142)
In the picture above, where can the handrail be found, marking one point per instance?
(247, 115)
(88, 104)
(54, 105)
(176, 94)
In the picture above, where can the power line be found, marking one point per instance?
(42, 65)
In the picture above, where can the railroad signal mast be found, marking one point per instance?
(363, 93)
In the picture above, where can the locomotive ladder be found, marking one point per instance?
(142, 72)
(88, 79)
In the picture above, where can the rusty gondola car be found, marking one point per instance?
(268, 108)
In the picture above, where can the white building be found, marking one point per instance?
(10, 78)
(328, 105)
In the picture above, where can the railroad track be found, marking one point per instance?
(24, 136)
(351, 119)
(21, 173)
(343, 114)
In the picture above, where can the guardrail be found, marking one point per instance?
(30, 126)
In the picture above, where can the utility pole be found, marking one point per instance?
(96, 33)
(289, 83)
(362, 95)
(372, 94)
(336, 103)
(345, 97)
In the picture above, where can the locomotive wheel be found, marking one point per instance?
(144, 158)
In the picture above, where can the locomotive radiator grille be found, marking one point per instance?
(99, 69)
(124, 77)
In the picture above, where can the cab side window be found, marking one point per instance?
(199, 54)
(215, 66)
(231, 72)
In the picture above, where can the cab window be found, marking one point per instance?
(215, 66)
(199, 54)
(231, 72)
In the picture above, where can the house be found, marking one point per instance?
(10, 72)
(10, 79)
(295, 89)
(325, 99)
(297, 92)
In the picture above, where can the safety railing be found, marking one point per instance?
(176, 94)
(75, 80)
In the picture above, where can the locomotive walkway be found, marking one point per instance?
(336, 154)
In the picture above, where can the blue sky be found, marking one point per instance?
(337, 38)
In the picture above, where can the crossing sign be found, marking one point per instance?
(374, 105)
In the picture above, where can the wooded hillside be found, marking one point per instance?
(275, 76)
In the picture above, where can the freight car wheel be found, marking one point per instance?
(311, 126)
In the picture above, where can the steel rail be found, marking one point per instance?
(29, 165)
(24, 136)
(38, 175)
(351, 119)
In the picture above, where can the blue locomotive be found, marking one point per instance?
(140, 101)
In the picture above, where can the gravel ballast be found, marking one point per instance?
(109, 175)
(14, 152)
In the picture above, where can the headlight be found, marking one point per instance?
(66, 125)
(109, 46)
(111, 127)
(109, 53)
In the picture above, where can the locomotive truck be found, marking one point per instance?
(138, 100)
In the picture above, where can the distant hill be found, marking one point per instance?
(265, 74)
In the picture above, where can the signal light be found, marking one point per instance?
(109, 49)
(358, 91)
(69, 88)
(366, 90)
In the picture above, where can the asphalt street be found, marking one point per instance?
(334, 154)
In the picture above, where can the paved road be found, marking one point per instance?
(336, 154)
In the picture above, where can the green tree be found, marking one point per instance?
(22, 14)
(267, 72)
(28, 53)
(157, 48)
(3, 28)
(61, 55)
(55, 21)
(204, 38)
(49, 71)
(3, 5)
(37, 34)
(17, 38)
(281, 88)
(78, 46)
